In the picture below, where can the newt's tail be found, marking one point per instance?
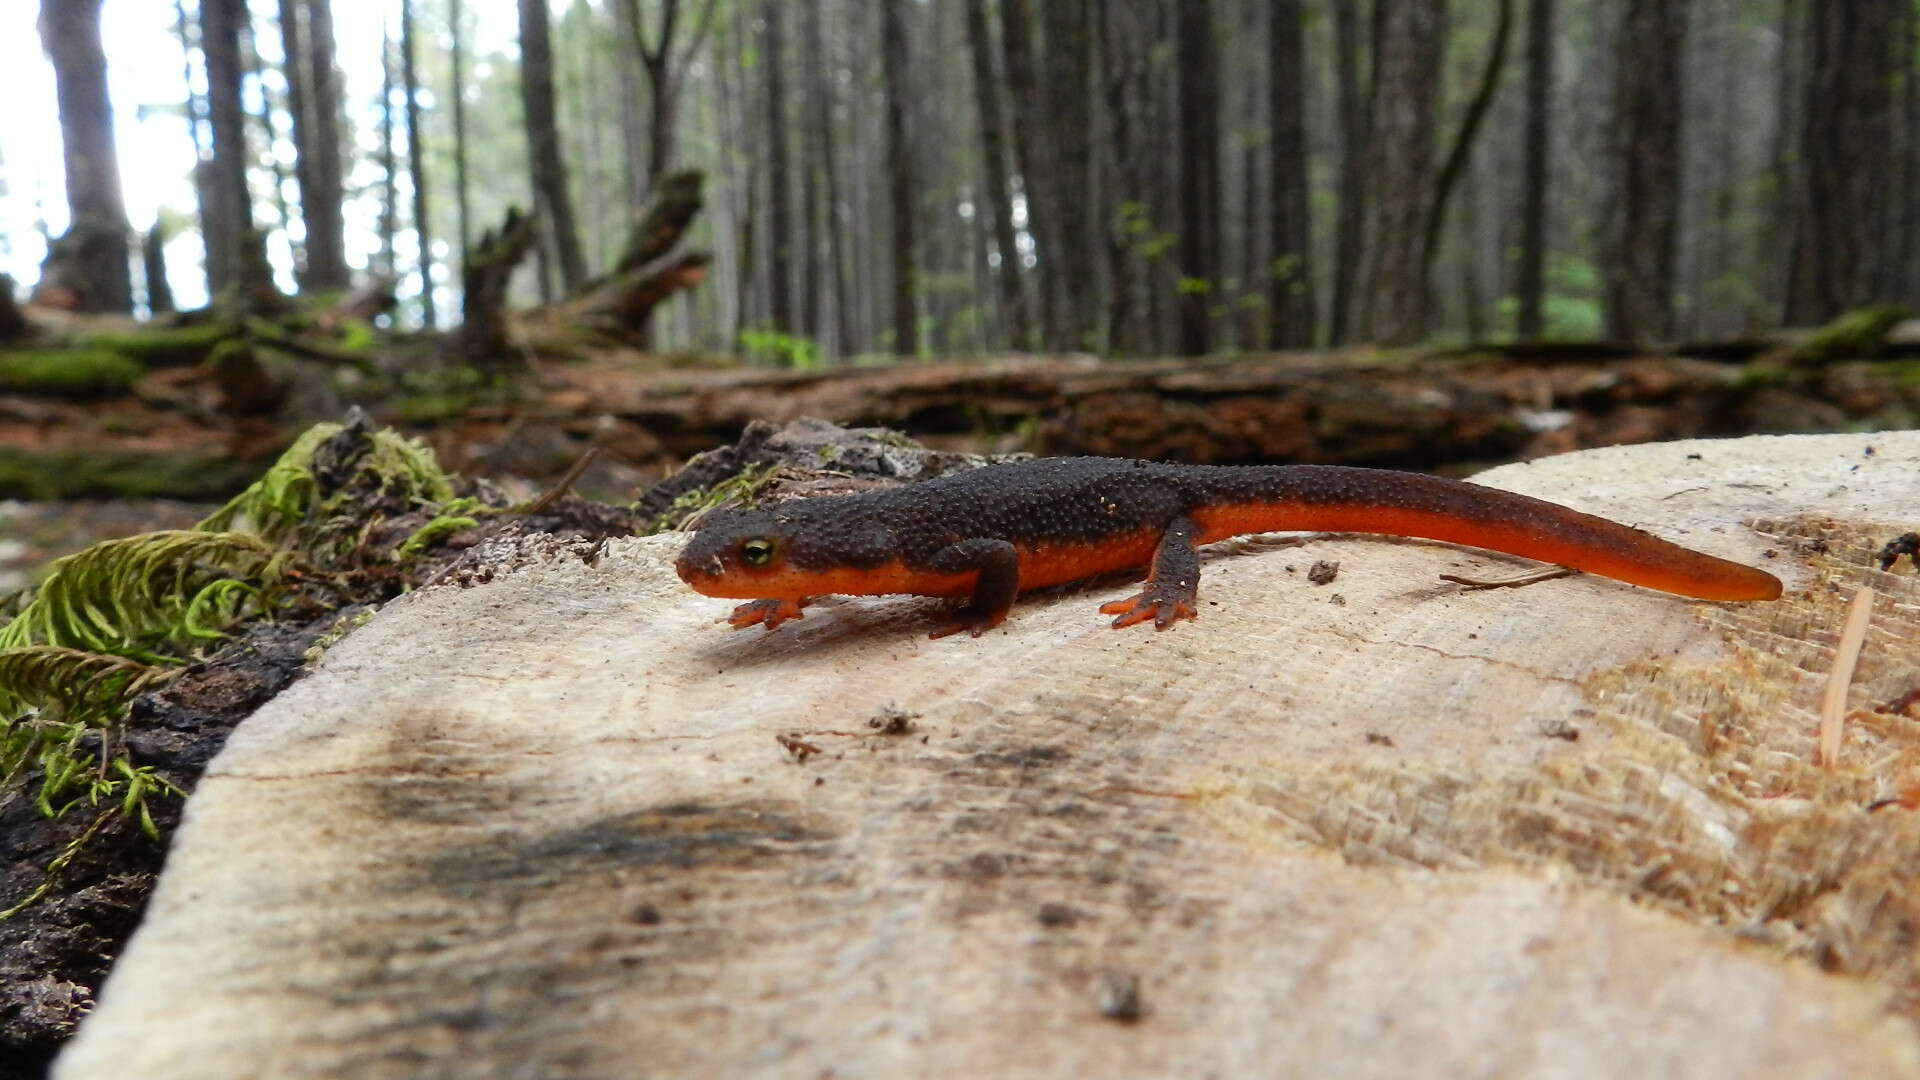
(1330, 498)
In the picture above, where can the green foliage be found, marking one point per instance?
(740, 489)
(133, 596)
(780, 349)
(78, 373)
(113, 620)
(177, 345)
(1860, 333)
(455, 515)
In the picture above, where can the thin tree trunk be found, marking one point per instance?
(1648, 91)
(1291, 271)
(1530, 284)
(1390, 302)
(417, 165)
(153, 260)
(1199, 174)
(1462, 149)
(998, 203)
(70, 31)
(313, 104)
(269, 138)
(553, 205)
(893, 61)
(463, 209)
(389, 225)
(779, 183)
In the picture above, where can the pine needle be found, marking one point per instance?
(1833, 705)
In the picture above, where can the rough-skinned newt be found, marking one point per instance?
(989, 533)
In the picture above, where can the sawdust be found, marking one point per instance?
(1706, 799)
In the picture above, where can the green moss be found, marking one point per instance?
(170, 346)
(1856, 334)
(76, 373)
(72, 474)
(742, 488)
(457, 514)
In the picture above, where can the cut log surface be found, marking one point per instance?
(566, 823)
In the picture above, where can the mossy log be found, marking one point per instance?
(620, 306)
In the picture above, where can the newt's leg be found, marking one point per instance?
(993, 591)
(768, 613)
(1173, 585)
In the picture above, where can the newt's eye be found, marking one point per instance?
(756, 552)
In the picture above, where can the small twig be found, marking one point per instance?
(1532, 577)
(552, 494)
(1833, 705)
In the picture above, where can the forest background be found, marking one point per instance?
(1127, 177)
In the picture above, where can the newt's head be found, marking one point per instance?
(736, 553)
(795, 550)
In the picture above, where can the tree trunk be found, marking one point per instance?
(893, 61)
(834, 319)
(553, 206)
(70, 32)
(1069, 117)
(779, 182)
(1845, 230)
(153, 262)
(1023, 90)
(306, 33)
(998, 203)
(1648, 91)
(230, 216)
(1291, 271)
(1530, 285)
(1198, 250)
(1462, 150)
(1355, 118)
(417, 165)
(385, 261)
(463, 210)
(1390, 302)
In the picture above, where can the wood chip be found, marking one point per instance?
(1833, 706)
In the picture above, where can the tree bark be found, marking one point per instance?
(893, 61)
(1291, 272)
(1023, 90)
(417, 165)
(779, 181)
(70, 32)
(553, 206)
(1069, 117)
(306, 34)
(153, 263)
(1355, 116)
(1198, 250)
(463, 210)
(830, 245)
(1390, 302)
(998, 203)
(1844, 234)
(386, 262)
(1648, 90)
(1530, 283)
(230, 213)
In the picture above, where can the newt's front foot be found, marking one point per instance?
(1165, 604)
(768, 613)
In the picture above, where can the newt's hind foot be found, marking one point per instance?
(767, 613)
(1165, 604)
